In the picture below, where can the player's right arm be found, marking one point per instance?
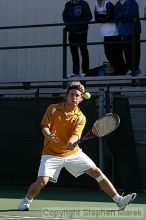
(51, 136)
(46, 126)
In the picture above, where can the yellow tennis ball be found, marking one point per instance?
(87, 95)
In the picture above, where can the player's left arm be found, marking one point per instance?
(73, 139)
(80, 124)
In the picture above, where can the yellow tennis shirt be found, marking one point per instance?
(64, 126)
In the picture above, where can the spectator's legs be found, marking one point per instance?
(114, 54)
(82, 38)
(73, 39)
(132, 55)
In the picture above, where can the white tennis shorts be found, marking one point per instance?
(76, 164)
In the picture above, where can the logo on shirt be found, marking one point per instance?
(77, 11)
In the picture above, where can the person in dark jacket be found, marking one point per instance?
(78, 11)
(129, 31)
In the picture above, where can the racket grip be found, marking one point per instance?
(77, 142)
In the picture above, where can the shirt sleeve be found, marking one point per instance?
(64, 14)
(47, 117)
(87, 14)
(79, 126)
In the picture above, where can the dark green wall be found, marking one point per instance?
(22, 141)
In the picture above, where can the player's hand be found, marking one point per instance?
(53, 137)
(70, 146)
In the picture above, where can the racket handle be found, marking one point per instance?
(77, 142)
(74, 144)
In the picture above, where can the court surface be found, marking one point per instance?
(58, 204)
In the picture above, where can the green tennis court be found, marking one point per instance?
(68, 204)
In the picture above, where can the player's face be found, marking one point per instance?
(74, 97)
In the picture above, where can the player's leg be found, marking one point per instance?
(33, 191)
(80, 163)
(102, 180)
(109, 189)
(49, 170)
(36, 187)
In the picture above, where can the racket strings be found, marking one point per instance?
(105, 125)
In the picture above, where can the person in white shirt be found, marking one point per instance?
(104, 13)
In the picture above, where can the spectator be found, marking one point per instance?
(78, 11)
(129, 31)
(145, 12)
(104, 12)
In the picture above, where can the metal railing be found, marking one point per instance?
(64, 45)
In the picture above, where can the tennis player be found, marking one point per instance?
(62, 125)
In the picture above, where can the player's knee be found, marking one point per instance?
(100, 177)
(96, 173)
(42, 182)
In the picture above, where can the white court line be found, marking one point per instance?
(8, 217)
(19, 217)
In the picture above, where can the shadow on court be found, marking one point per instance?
(65, 195)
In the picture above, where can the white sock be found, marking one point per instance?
(116, 198)
(28, 200)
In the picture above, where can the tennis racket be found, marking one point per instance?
(102, 127)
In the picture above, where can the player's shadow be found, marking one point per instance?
(7, 210)
(14, 210)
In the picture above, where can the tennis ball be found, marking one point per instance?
(87, 95)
